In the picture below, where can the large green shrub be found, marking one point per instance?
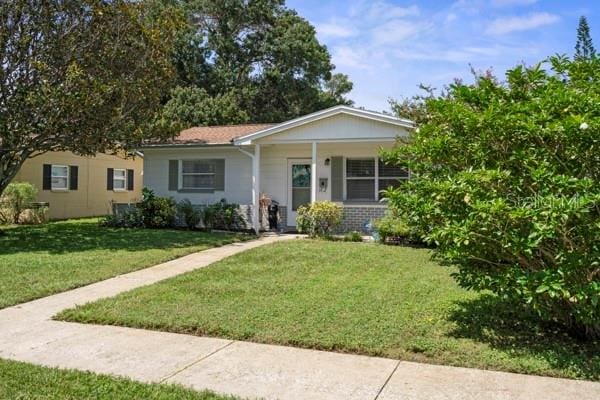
(131, 218)
(506, 182)
(392, 227)
(319, 218)
(223, 215)
(16, 198)
(157, 212)
(191, 216)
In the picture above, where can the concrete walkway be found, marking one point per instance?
(246, 369)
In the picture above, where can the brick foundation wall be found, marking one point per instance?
(356, 217)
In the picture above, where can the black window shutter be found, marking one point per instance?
(47, 177)
(219, 174)
(129, 179)
(173, 175)
(73, 178)
(109, 178)
(337, 178)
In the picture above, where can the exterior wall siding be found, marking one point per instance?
(238, 173)
(91, 197)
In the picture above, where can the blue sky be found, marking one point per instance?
(388, 47)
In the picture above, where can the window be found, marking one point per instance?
(60, 177)
(391, 175)
(360, 179)
(119, 179)
(198, 174)
(366, 177)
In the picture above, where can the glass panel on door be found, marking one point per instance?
(300, 185)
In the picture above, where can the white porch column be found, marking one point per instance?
(313, 174)
(256, 188)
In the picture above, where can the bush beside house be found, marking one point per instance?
(17, 205)
(164, 212)
(319, 219)
(506, 183)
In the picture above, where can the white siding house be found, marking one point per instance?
(328, 155)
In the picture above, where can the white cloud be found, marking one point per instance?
(451, 17)
(349, 57)
(462, 55)
(394, 31)
(504, 25)
(369, 12)
(382, 10)
(511, 3)
(468, 7)
(336, 30)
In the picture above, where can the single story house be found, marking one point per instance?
(77, 186)
(327, 155)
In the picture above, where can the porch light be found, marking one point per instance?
(327, 161)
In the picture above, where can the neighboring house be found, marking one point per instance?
(76, 186)
(328, 155)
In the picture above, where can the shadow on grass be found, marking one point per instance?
(508, 327)
(81, 235)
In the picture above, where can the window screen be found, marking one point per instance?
(60, 177)
(198, 174)
(360, 179)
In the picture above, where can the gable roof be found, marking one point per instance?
(246, 133)
(212, 135)
(328, 112)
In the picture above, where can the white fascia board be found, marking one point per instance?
(350, 140)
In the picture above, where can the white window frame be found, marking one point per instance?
(376, 177)
(124, 179)
(181, 174)
(67, 177)
(365, 178)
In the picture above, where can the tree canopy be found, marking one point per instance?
(259, 60)
(506, 184)
(84, 76)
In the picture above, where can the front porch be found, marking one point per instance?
(296, 174)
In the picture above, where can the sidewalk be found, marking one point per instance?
(246, 369)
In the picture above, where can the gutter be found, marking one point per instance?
(188, 145)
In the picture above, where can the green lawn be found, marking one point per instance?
(36, 261)
(26, 381)
(349, 297)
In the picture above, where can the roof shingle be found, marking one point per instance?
(214, 134)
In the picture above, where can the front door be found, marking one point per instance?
(298, 187)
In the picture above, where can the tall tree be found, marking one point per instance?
(259, 55)
(80, 75)
(584, 47)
